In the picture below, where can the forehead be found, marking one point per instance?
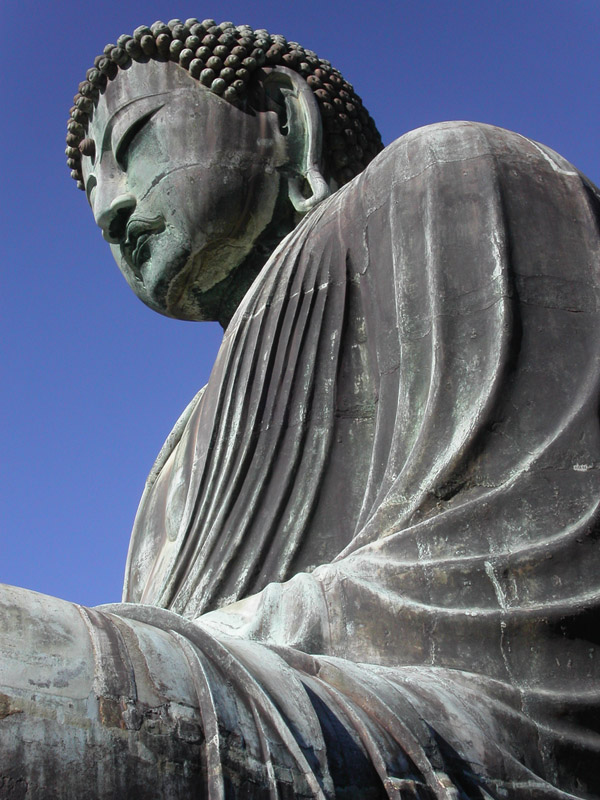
(153, 81)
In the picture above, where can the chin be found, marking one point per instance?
(186, 286)
(162, 285)
(171, 295)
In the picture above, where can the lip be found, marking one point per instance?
(140, 254)
(138, 232)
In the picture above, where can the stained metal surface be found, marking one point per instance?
(382, 569)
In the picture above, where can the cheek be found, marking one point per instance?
(212, 203)
(226, 204)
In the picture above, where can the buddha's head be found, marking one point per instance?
(200, 146)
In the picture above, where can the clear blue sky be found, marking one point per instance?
(92, 381)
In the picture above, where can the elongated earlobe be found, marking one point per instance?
(318, 185)
(305, 138)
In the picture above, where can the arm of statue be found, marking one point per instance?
(91, 706)
(97, 703)
(135, 701)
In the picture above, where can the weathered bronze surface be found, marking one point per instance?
(365, 563)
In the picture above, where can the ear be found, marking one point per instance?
(304, 136)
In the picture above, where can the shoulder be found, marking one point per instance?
(451, 142)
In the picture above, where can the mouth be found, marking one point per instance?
(140, 254)
(135, 247)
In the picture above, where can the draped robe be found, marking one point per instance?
(376, 528)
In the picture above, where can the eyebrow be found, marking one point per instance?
(115, 116)
(106, 143)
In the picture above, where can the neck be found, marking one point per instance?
(226, 296)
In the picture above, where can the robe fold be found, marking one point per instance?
(376, 528)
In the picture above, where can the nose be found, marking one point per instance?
(113, 220)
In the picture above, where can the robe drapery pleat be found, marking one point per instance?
(391, 478)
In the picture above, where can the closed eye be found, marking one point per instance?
(126, 140)
(90, 185)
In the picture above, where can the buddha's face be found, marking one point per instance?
(182, 183)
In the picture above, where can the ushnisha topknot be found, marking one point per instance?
(224, 58)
